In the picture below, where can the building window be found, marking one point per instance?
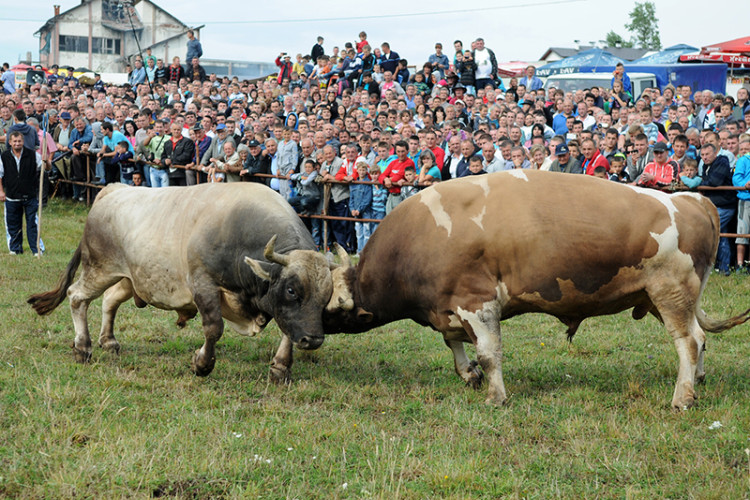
(105, 46)
(70, 43)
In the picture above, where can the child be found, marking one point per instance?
(689, 176)
(466, 67)
(137, 179)
(475, 166)
(601, 172)
(429, 173)
(617, 169)
(360, 204)
(422, 87)
(121, 160)
(308, 191)
(482, 117)
(379, 199)
(410, 183)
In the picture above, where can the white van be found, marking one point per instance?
(579, 81)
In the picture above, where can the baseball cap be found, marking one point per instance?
(65, 115)
(253, 144)
(561, 149)
(660, 147)
(220, 126)
(197, 127)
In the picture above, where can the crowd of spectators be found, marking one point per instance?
(362, 113)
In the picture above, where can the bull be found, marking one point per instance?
(463, 255)
(227, 251)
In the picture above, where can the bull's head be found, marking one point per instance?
(342, 314)
(298, 292)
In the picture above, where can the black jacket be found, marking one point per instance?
(718, 173)
(20, 184)
(257, 165)
(181, 155)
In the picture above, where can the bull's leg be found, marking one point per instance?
(113, 297)
(282, 362)
(209, 306)
(483, 326)
(88, 287)
(700, 337)
(469, 371)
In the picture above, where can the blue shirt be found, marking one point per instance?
(117, 138)
(9, 82)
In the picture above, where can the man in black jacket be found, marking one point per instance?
(179, 152)
(256, 163)
(716, 172)
(19, 189)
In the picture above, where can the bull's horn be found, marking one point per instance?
(345, 260)
(272, 256)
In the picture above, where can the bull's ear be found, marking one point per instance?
(365, 316)
(257, 269)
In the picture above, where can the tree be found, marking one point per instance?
(615, 40)
(644, 26)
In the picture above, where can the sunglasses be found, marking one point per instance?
(630, 151)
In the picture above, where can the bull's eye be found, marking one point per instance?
(290, 291)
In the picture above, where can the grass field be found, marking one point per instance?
(375, 415)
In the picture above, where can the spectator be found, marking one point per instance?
(360, 205)
(388, 60)
(716, 172)
(194, 48)
(317, 50)
(741, 179)
(594, 158)
(486, 63)
(393, 176)
(564, 162)
(439, 61)
(530, 80)
(661, 171)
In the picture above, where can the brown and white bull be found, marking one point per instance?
(197, 249)
(463, 255)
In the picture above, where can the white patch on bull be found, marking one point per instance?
(482, 182)
(250, 328)
(503, 297)
(477, 219)
(695, 196)
(669, 240)
(454, 321)
(518, 174)
(485, 323)
(431, 199)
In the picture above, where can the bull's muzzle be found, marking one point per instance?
(309, 342)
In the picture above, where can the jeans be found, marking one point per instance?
(363, 230)
(481, 83)
(147, 175)
(159, 178)
(14, 214)
(724, 253)
(341, 229)
(304, 203)
(376, 214)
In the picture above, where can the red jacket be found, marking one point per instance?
(598, 160)
(439, 156)
(285, 69)
(663, 174)
(395, 171)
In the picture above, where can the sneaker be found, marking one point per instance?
(13, 253)
(80, 198)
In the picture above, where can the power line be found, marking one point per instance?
(354, 18)
(391, 16)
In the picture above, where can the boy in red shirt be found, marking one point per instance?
(393, 177)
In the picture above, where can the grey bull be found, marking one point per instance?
(233, 251)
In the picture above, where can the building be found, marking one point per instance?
(557, 53)
(101, 35)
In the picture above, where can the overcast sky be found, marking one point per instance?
(514, 29)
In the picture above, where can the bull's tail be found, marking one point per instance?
(716, 325)
(46, 302)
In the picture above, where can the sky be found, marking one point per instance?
(516, 30)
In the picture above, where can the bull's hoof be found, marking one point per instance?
(81, 356)
(112, 346)
(496, 401)
(280, 374)
(700, 378)
(684, 403)
(200, 366)
(475, 377)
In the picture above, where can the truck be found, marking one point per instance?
(698, 76)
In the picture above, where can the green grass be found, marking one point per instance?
(382, 412)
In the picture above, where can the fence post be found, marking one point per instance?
(326, 199)
(88, 178)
